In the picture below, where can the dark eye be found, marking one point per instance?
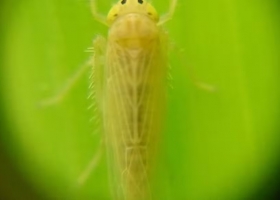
(140, 1)
(123, 1)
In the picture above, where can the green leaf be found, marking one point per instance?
(216, 145)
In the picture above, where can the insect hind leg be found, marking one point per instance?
(92, 165)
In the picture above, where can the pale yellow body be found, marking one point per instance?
(129, 84)
(134, 98)
(132, 94)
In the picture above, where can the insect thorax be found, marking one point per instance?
(134, 31)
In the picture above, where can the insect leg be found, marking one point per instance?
(67, 87)
(98, 65)
(99, 48)
(169, 14)
(195, 80)
(92, 165)
(97, 16)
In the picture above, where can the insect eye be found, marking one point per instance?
(140, 1)
(123, 1)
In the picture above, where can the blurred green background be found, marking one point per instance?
(222, 145)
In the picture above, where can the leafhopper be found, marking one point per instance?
(132, 92)
(129, 76)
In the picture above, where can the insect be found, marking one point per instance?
(133, 92)
(130, 70)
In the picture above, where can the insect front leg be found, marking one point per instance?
(169, 14)
(97, 16)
